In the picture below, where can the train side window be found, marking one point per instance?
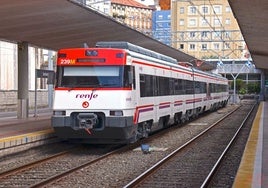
(156, 85)
(163, 86)
(200, 87)
(146, 85)
(142, 85)
(179, 86)
(197, 88)
(171, 86)
(189, 87)
(208, 90)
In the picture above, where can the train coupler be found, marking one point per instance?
(87, 120)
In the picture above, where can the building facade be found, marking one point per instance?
(161, 28)
(38, 59)
(130, 12)
(206, 29)
(101, 6)
(133, 14)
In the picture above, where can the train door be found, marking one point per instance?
(208, 91)
(156, 101)
(132, 80)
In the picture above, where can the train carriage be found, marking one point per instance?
(118, 92)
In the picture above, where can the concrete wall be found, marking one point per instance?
(9, 100)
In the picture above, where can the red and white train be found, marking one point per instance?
(118, 92)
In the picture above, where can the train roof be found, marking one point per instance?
(135, 48)
(209, 73)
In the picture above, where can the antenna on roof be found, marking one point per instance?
(85, 45)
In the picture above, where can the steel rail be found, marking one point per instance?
(31, 164)
(135, 182)
(217, 164)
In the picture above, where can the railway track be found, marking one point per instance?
(50, 168)
(92, 168)
(195, 163)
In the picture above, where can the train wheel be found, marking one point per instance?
(143, 129)
(177, 118)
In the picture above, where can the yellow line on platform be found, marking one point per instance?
(246, 169)
(28, 135)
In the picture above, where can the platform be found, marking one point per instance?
(253, 169)
(14, 132)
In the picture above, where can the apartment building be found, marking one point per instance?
(133, 14)
(206, 29)
(161, 26)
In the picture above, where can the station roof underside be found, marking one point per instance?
(252, 19)
(55, 24)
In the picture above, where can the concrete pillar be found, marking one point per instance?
(50, 86)
(23, 80)
(263, 92)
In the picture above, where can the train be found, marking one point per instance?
(118, 93)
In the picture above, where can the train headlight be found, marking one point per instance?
(116, 113)
(59, 113)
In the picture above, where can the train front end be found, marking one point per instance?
(94, 96)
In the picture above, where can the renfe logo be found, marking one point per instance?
(87, 96)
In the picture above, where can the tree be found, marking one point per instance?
(253, 88)
(239, 85)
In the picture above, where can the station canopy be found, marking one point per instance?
(252, 19)
(56, 24)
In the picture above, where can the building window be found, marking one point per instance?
(192, 34)
(217, 22)
(204, 22)
(228, 9)
(227, 34)
(204, 46)
(204, 10)
(192, 46)
(204, 34)
(216, 46)
(181, 22)
(182, 36)
(160, 17)
(160, 25)
(217, 9)
(227, 45)
(181, 46)
(192, 10)
(228, 21)
(106, 10)
(181, 10)
(216, 34)
(192, 22)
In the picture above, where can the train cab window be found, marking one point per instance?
(90, 76)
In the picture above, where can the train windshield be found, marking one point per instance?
(95, 76)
